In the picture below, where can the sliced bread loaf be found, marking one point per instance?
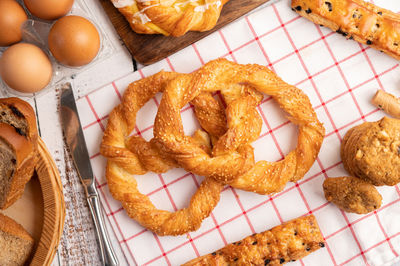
(13, 177)
(20, 115)
(16, 164)
(16, 244)
(18, 148)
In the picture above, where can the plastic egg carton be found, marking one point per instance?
(36, 30)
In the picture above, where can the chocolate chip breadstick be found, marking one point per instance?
(284, 243)
(355, 19)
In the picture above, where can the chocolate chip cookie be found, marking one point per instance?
(371, 151)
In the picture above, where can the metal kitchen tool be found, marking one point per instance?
(76, 142)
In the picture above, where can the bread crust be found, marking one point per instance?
(355, 19)
(23, 250)
(27, 111)
(19, 144)
(25, 147)
(25, 163)
(11, 227)
(284, 243)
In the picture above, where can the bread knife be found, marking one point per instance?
(75, 140)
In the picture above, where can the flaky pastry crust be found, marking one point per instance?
(355, 19)
(284, 243)
(170, 17)
(235, 166)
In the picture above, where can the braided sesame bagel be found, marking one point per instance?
(128, 155)
(232, 166)
(174, 17)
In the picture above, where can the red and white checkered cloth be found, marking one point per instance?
(338, 75)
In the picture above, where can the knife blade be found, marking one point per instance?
(75, 141)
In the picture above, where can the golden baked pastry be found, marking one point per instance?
(227, 143)
(371, 151)
(173, 18)
(139, 156)
(129, 155)
(352, 194)
(233, 162)
(355, 19)
(284, 243)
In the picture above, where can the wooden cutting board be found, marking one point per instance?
(148, 49)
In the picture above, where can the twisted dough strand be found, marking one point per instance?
(122, 121)
(233, 168)
(133, 155)
(233, 158)
(138, 206)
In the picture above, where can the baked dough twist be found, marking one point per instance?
(170, 17)
(234, 167)
(129, 155)
(144, 156)
(134, 155)
(122, 121)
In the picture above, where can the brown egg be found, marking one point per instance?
(12, 15)
(74, 41)
(25, 68)
(49, 9)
